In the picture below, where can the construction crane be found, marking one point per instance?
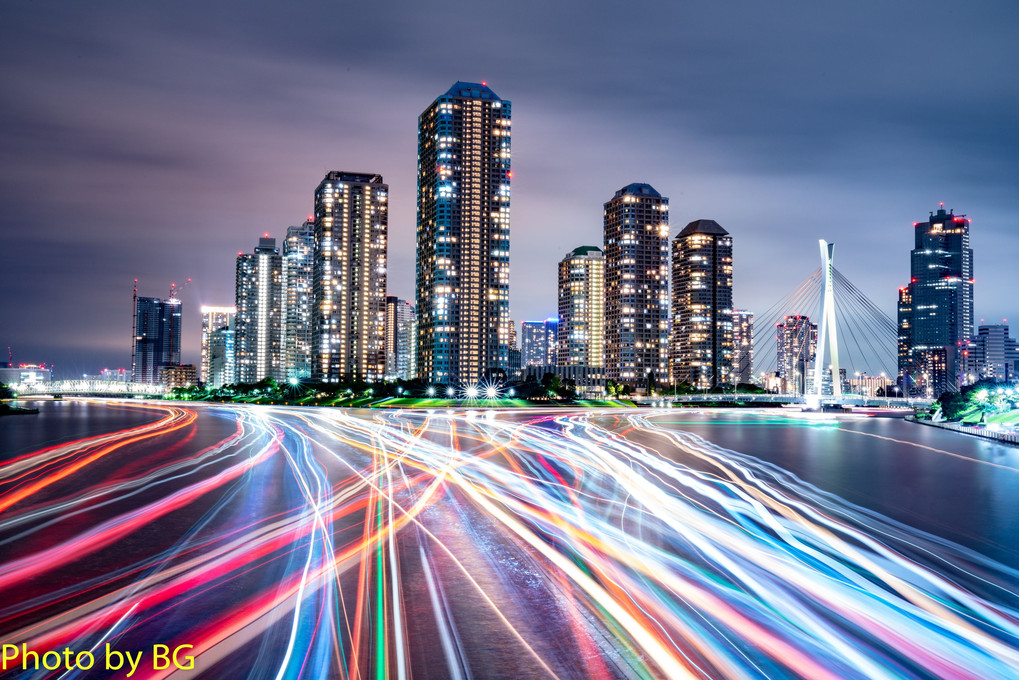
(174, 290)
(134, 330)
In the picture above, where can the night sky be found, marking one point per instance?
(156, 140)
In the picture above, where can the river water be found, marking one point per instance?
(320, 543)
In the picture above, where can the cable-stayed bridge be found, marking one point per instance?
(823, 334)
(821, 338)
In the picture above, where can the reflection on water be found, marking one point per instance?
(958, 487)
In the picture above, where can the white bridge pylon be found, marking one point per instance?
(828, 330)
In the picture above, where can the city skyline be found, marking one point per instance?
(774, 177)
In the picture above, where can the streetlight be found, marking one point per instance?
(431, 391)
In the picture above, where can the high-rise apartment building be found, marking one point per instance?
(636, 285)
(401, 339)
(156, 342)
(702, 345)
(176, 376)
(796, 343)
(514, 359)
(222, 363)
(349, 317)
(743, 345)
(298, 299)
(581, 339)
(991, 354)
(258, 324)
(936, 306)
(213, 319)
(463, 230)
(538, 342)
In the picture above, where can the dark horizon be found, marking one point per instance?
(155, 143)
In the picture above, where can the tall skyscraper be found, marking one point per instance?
(581, 340)
(258, 326)
(636, 285)
(796, 346)
(538, 342)
(401, 339)
(936, 306)
(463, 230)
(156, 338)
(349, 318)
(213, 319)
(702, 305)
(298, 299)
(743, 345)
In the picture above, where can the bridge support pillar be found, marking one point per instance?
(827, 332)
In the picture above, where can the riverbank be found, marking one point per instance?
(8, 410)
(1006, 437)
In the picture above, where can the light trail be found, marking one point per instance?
(317, 543)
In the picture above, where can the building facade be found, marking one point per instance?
(936, 306)
(991, 354)
(351, 237)
(178, 375)
(796, 343)
(463, 232)
(636, 229)
(581, 334)
(401, 340)
(702, 326)
(115, 375)
(222, 361)
(157, 326)
(743, 345)
(538, 342)
(213, 319)
(258, 324)
(24, 374)
(298, 299)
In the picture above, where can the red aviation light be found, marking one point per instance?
(510, 174)
(484, 83)
(912, 280)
